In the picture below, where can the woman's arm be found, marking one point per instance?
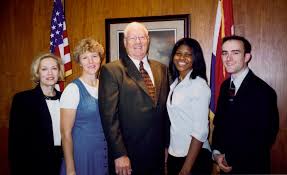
(194, 149)
(199, 125)
(67, 122)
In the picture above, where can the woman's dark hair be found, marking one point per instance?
(198, 63)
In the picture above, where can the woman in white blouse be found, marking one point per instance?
(34, 131)
(188, 107)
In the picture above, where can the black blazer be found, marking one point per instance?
(246, 128)
(31, 143)
(133, 124)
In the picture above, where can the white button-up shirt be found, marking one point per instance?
(188, 112)
(54, 109)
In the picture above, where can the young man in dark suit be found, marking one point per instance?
(132, 105)
(246, 120)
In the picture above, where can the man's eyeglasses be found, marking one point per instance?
(134, 38)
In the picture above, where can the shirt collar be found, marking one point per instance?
(239, 79)
(137, 62)
(186, 78)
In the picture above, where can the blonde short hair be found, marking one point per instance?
(36, 64)
(90, 45)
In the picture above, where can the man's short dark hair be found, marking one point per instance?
(246, 43)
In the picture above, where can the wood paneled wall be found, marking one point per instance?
(26, 25)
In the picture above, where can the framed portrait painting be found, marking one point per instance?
(164, 31)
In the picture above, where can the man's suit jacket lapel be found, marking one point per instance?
(157, 79)
(134, 73)
(245, 85)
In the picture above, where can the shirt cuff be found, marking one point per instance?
(214, 153)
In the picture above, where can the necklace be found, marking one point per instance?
(51, 98)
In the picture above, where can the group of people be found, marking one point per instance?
(136, 116)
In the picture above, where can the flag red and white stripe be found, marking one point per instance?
(59, 44)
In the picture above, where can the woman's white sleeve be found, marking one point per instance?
(70, 97)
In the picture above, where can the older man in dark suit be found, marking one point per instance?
(246, 120)
(132, 97)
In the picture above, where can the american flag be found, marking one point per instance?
(59, 39)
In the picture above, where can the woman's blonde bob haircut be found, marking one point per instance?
(36, 64)
(88, 45)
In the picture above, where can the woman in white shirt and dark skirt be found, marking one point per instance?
(34, 126)
(188, 107)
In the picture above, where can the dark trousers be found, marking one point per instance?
(58, 158)
(38, 164)
(159, 170)
(202, 164)
(155, 172)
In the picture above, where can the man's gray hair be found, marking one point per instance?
(132, 24)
